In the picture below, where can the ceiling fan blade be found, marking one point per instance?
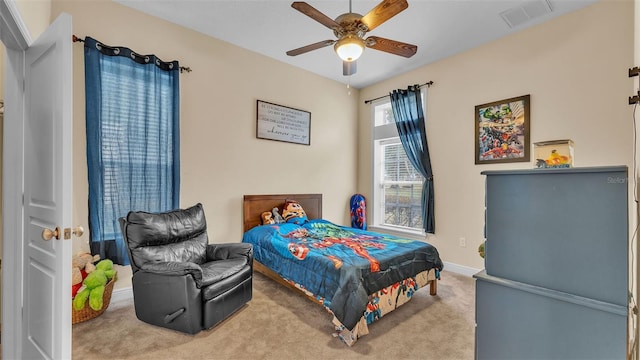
(316, 15)
(391, 46)
(349, 67)
(310, 47)
(383, 12)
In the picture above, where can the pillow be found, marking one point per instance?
(292, 212)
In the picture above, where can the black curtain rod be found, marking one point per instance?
(429, 83)
(182, 68)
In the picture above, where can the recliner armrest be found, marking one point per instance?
(175, 268)
(230, 251)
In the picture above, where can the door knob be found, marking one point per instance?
(47, 234)
(77, 231)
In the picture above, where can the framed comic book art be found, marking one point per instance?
(502, 131)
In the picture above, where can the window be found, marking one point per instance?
(397, 185)
(132, 124)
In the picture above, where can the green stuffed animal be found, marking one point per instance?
(93, 286)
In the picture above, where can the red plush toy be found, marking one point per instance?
(82, 264)
(76, 287)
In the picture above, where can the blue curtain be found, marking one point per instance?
(410, 121)
(133, 140)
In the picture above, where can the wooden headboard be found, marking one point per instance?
(254, 205)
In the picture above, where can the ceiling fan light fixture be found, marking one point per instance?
(349, 48)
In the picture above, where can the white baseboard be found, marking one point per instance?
(460, 269)
(122, 296)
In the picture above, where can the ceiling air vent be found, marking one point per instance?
(527, 11)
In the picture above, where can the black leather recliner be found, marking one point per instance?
(180, 281)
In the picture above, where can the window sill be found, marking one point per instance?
(409, 234)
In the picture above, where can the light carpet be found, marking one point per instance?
(281, 324)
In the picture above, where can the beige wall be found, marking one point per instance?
(221, 159)
(574, 67)
(36, 15)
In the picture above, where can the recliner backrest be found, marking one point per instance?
(175, 236)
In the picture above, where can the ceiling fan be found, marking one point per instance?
(350, 28)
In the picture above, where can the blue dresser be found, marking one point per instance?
(555, 284)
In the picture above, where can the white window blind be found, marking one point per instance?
(397, 185)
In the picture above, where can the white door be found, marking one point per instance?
(48, 194)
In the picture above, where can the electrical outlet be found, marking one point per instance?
(463, 242)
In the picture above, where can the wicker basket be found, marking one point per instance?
(87, 313)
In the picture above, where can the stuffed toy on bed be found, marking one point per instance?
(292, 212)
(277, 218)
(267, 218)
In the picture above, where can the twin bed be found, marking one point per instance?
(358, 276)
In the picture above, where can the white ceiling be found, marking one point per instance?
(440, 28)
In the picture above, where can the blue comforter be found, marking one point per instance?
(340, 265)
